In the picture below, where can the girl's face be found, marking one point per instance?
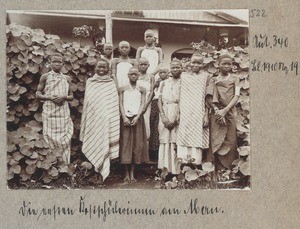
(175, 69)
(133, 75)
(143, 66)
(124, 49)
(56, 63)
(107, 50)
(101, 68)
(163, 74)
(149, 38)
(196, 63)
(225, 65)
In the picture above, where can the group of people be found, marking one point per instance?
(142, 111)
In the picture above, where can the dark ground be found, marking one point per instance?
(145, 175)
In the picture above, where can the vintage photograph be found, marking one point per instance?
(147, 99)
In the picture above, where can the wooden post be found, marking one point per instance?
(108, 27)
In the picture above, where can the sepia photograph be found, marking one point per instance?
(134, 99)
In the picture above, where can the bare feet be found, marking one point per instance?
(126, 179)
(132, 179)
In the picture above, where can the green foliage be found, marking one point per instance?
(27, 53)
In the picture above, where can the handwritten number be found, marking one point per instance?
(258, 13)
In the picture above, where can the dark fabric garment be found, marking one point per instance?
(154, 120)
(223, 138)
(133, 143)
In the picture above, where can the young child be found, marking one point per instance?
(168, 104)
(144, 81)
(193, 134)
(152, 53)
(121, 65)
(54, 90)
(107, 52)
(222, 95)
(133, 139)
(100, 120)
(154, 113)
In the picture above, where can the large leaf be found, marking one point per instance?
(53, 172)
(87, 165)
(244, 150)
(208, 167)
(30, 169)
(91, 60)
(245, 168)
(27, 39)
(16, 169)
(191, 175)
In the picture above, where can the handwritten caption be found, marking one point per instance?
(112, 207)
(272, 42)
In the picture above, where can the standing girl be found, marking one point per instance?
(144, 81)
(120, 66)
(100, 120)
(163, 72)
(222, 95)
(133, 141)
(193, 135)
(54, 90)
(150, 51)
(168, 104)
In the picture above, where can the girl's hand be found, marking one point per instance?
(134, 121)
(205, 121)
(58, 99)
(221, 113)
(221, 121)
(171, 126)
(165, 121)
(126, 121)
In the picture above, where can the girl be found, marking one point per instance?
(222, 95)
(168, 104)
(144, 81)
(54, 90)
(193, 135)
(154, 113)
(121, 65)
(100, 120)
(149, 51)
(133, 141)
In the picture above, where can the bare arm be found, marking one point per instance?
(70, 96)
(236, 96)
(160, 55)
(40, 89)
(126, 121)
(143, 99)
(139, 53)
(114, 68)
(151, 95)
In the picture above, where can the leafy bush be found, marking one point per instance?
(27, 53)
